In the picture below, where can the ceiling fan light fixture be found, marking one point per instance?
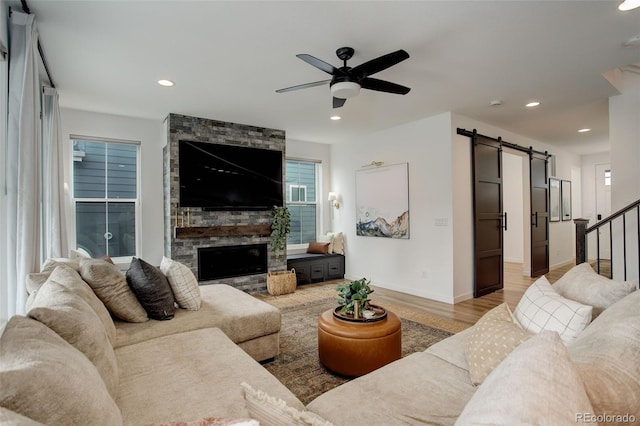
(345, 89)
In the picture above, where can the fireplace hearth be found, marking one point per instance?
(231, 261)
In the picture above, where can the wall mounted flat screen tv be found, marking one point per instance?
(229, 177)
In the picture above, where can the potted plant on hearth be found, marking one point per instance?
(282, 282)
(353, 296)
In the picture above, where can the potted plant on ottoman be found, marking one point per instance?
(354, 296)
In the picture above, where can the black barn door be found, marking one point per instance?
(488, 215)
(539, 214)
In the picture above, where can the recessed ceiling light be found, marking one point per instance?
(584, 130)
(532, 104)
(335, 117)
(628, 5)
(165, 83)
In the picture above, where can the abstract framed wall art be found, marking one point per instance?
(382, 201)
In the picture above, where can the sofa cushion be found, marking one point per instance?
(272, 411)
(535, 385)
(46, 379)
(582, 284)
(110, 285)
(493, 337)
(183, 284)
(452, 349)
(240, 316)
(151, 288)
(76, 322)
(541, 308)
(71, 280)
(607, 355)
(159, 378)
(419, 389)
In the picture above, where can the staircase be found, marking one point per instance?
(621, 247)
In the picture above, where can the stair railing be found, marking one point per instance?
(582, 234)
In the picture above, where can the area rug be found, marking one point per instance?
(298, 366)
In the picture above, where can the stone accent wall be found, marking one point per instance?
(185, 250)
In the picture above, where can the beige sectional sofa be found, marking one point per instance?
(593, 379)
(67, 362)
(164, 371)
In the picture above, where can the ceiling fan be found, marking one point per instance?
(347, 82)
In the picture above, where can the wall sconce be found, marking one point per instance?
(333, 197)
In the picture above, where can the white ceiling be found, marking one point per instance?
(228, 58)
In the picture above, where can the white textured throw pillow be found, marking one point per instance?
(338, 242)
(541, 308)
(183, 284)
(537, 384)
(272, 411)
(582, 284)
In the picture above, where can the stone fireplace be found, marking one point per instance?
(192, 232)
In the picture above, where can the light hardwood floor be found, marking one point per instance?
(471, 310)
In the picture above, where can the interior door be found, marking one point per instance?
(603, 208)
(539, 214)
(488, 215)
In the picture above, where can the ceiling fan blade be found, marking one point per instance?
(320, 64)
(383, 86)
(338, 102)
(381, 63)
(303, 86)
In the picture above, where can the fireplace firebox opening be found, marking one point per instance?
(231, 261)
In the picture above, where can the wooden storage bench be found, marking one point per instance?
(311, 268)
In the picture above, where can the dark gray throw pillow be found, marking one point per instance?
(152, 289)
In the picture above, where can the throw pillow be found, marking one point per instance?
(541, 308)
(152, 289)
(607, 355)
(537, 384)
(110, 285)
(318, 248)
(493, 337)
(582, 284)
(51, 263)
(46, 379)
(76, 322)
(272, 411)
(338, 242)
(183, 284)
(327, 239)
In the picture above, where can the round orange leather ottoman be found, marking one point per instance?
(357, 348)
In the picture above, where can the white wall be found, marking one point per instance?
(150, 134)
(513, 205)
(423, 264)
(4, 78)
(624, 136)
(316, 152)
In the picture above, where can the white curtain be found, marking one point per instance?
(23, 154)
(54, 192)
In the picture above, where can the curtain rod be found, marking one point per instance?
(530, 150)
(25, 9)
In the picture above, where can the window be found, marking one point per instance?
(105, 192)
(302, 196)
